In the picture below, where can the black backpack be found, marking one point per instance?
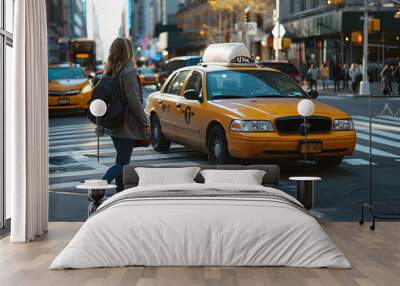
(108, 89)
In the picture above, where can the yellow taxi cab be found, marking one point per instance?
(229, 107)
(69, 88)
(148, 76)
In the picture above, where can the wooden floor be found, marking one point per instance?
(375, 257)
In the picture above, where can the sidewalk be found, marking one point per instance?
(375, 90)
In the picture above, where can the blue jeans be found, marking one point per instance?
(124, 149)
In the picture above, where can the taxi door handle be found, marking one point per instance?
(160, 101)
(178, 105)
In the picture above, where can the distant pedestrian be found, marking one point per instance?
(324, 71)
(354, 74)
(337, 76)
(312, 77)
(386, 76)
(346, 77)
(396, 77)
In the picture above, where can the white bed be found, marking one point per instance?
(246, 225)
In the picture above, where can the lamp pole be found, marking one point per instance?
(364, 85)
(279, 34)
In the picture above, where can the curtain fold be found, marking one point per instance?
(27, 124)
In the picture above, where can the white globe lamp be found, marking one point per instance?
(305, 108)
(98, 108)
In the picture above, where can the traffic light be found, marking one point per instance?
(247, 16)
(374, 25)
(357, 38)
(286, 43)
(337, 3)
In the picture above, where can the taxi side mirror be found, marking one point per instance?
(313, 93)
(191, 94)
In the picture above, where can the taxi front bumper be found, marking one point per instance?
(72, 102)
(270, 145)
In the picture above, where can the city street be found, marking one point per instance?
(72, 148)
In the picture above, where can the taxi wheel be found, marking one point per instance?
(158, 141)
(329, 162)
(218, 153)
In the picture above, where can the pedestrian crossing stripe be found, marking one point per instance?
(380, 140)
(376, 126)
(379, 132)
(375, 151)
(378, 120)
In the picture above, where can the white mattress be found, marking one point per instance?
(200, 231)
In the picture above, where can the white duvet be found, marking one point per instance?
(202, 231)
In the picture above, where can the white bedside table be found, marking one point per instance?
(95, 195)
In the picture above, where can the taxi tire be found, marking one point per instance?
(329, 162)
(158, 141)
(217, 135)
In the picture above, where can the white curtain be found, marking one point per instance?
(27, 124)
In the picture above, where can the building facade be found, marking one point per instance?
(332, 33)
(66, 19)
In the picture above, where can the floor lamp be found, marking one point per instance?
(98, 108)
(305, 108)
(377, 209)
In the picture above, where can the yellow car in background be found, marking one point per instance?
(229, 107)
(148, 76)
(69, 88)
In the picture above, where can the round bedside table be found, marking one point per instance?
(305, 190)
(95, 195)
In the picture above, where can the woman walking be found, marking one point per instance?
(121, 65)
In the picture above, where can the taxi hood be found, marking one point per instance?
(67, 83)
(262, 108)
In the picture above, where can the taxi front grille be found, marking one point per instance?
(292, 124)
(64, 93)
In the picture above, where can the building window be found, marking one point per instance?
(6, 43)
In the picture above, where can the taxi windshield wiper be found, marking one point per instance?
(276, 95)
(227, 97)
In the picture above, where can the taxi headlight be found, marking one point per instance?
(252, 125)
(343, 124)
(86, 88)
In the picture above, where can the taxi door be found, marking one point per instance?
(171, 94)
(190, 108)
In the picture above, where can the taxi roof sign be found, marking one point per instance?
(227, 54)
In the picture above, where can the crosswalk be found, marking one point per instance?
(73, 153)
(73, 156)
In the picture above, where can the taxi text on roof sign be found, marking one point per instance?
(227, 54)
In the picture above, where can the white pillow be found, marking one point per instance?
(166, 176)
(248, 177)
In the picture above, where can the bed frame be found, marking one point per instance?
(270, 179)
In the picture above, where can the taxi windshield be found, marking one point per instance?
(250, 84)
(66, 73)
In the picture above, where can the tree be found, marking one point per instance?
(228, 10)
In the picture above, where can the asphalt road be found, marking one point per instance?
(338, 196)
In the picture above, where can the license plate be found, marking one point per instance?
(312, 147)
(63, 101)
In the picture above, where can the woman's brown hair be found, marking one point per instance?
(121, 54)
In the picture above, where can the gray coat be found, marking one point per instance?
(135, 121)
